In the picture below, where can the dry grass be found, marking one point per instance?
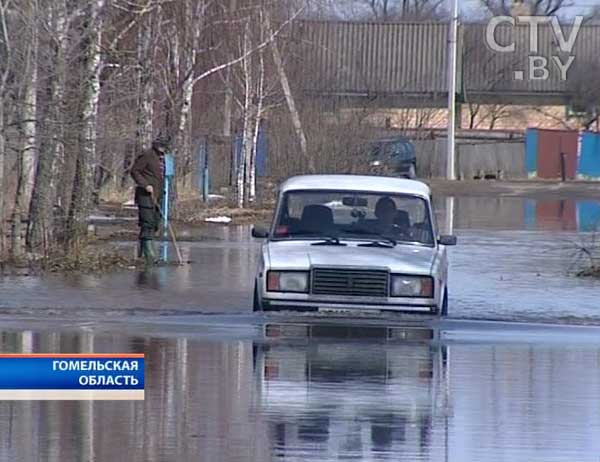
(592, 272)
(586, 257)
(90, 259)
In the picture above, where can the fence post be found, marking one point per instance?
(166, 205)
(203, 169)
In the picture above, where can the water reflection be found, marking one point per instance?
(330, 395)
(148, 278)
(304, 393)
(516, 213)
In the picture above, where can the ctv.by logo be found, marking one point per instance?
(539, 66)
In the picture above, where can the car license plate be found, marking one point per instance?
(334, 310)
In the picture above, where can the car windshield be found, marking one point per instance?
(390, 149)
(354, 215)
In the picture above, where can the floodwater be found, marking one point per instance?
(514, 261)
(512, 376)
(323, 392)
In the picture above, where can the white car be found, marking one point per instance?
(349, 242)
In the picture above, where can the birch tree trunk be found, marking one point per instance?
(291, 102)
(228, 102)
(146, 57)
(5, 66)
(2, 149)
(16, 250)
(243, 167)
(28, 114)
(184, 131)
(84, 168)
(40, 230)
(260, 96)
(195, 11)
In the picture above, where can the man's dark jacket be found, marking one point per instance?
(148, 170)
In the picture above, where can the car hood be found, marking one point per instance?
(301, 255)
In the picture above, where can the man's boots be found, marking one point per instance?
(147, 251)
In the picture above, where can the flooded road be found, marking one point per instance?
(322, 392)
(512, 263)
(225, 384)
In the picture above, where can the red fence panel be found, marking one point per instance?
(551, 144)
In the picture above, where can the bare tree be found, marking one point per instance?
(51, 144)
(246, 119)
(191, 46)
(81, 195)
(291, 103)
(533, 7)
(26, 123)
(584, 93)
(254, 89)
(6, 41)
(387, 10)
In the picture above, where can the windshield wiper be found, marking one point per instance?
(386, 243)
(382, 240)
(330, 240)
(323, 237)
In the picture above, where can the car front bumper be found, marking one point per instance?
(310, 303)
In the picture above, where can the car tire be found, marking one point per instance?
(256, 305)
(412, 171)
(444, 310)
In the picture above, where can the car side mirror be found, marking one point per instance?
(447, 240)
(259, 232)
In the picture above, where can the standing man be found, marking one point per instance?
(148, 173)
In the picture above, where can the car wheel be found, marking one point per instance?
(444, 311)
(256, 305)
(412, 172)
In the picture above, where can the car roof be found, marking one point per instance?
(397, 139)
(362, 183)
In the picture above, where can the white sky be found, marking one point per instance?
(471, 9)
(578, 6)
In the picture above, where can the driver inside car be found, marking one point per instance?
(387, 213)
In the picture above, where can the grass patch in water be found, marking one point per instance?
(593, 272)
(90, 259)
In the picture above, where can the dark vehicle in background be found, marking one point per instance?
(392, 157)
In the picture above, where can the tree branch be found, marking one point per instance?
(239, 59)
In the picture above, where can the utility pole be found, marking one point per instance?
(452, 84)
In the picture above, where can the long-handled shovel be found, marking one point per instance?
(171, 232)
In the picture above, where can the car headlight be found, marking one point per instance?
(376, 163)
(287, 281)
(412, 286)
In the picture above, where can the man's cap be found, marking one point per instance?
(161, 142)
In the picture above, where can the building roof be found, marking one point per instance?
(361, 183)
(405, 64)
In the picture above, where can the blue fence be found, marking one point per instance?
(531, 151)
(588, 216)
(589, 156)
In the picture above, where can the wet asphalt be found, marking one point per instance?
(513, 375)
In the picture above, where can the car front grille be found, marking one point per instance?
(357, 283)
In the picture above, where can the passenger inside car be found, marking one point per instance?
(315, 219)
